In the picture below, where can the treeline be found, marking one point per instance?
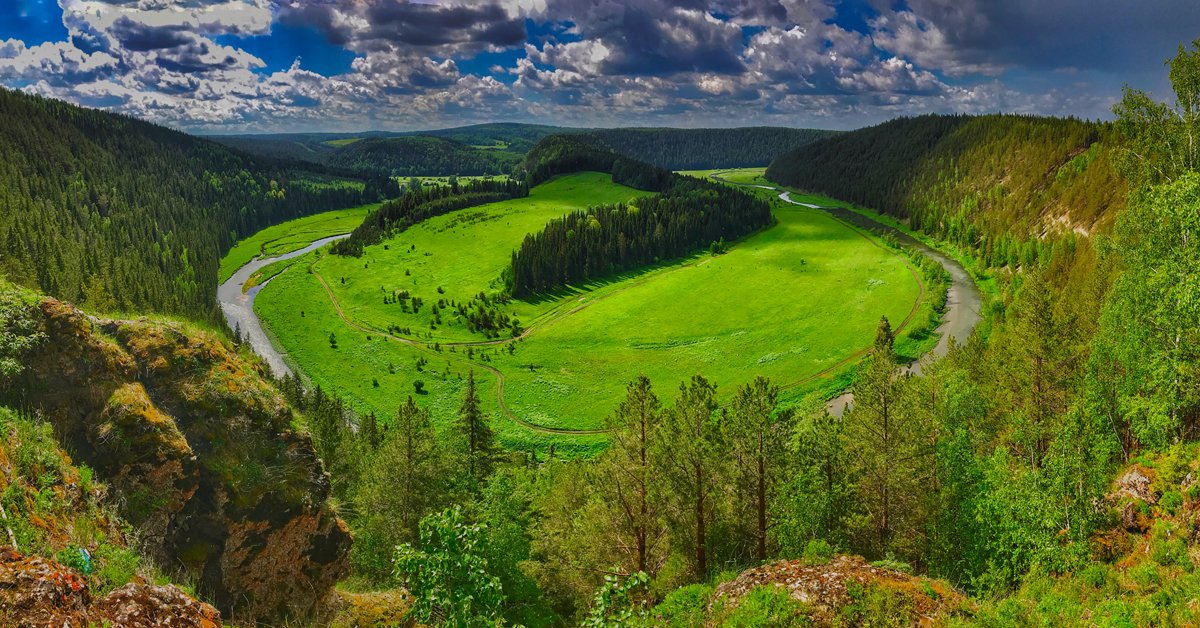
(996, 183)
(694, 149)
(688, 215)
(423, 156)
(118, 214)
(420, 202)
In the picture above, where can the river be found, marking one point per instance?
(963, 300)
(238, 305)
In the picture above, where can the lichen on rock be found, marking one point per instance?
(200, 451)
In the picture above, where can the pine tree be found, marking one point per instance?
(689, 459)
(880, 442)
(477, 443)
(625, 474)
(757, 437)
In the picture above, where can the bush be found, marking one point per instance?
(767, 607)
(817, 552)
(683, 607)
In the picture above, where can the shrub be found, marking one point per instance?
(767, 607)
(817, 552)
(683, 607)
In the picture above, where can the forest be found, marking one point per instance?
(492, 149)
(419, 202)
(120, 215)
(693, 149)
(687, 215)
(1003, 184)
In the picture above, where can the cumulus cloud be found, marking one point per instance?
(420, 63)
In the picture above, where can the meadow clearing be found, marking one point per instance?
(797, 302)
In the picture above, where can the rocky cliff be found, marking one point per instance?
(202, 455)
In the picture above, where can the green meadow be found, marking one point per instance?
(291, 236)
(797, 302)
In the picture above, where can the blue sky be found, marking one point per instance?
(340, 65)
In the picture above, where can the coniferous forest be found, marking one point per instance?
(686, 216)
(119, 215)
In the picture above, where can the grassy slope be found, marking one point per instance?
(787, 303)
(291, 236)
(463, 252)
(780, 294)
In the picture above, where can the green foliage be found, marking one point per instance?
(767, 606)
(817, 552)
(606, 240)
(19, 331)
(616, 603)
(448, 574)
(692, 149)
(987, 183)
(144, 228)
(684, 607)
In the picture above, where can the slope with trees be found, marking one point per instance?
(994, 183)
(119, 214)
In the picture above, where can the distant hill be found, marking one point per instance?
(696, 149)
(496, 148)
(986, 181)
(120, 214)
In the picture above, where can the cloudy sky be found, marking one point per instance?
(348, 65)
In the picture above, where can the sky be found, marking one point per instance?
(258, 66)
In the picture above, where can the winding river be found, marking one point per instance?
(963, 299)
(238, 305)
(961, 316)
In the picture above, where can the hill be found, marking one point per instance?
(122, 215)
(422, 155)
(985, 181)
(495, 148)
(694, 149)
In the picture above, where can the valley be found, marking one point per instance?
(769, 306)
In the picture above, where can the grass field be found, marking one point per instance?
(290, 236)
(796, 302)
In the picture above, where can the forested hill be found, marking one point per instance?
(484, 149)
(119, 214)
(985, 181)
(694, 149)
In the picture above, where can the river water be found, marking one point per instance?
(238, 305)
(963, 300)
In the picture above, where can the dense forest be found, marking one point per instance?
(994, 182)
(422, 156)
(698, 149)
(687, 215)
(489, 149)
(420, 202)
(119, 214)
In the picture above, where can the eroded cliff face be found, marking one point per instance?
(201, 452)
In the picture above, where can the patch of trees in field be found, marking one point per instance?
(695, 149)
(118, 214)
(420, 202)
(996, 182)
(687, 215)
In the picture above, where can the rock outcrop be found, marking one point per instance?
(828, 588)
(37, 593)
(201, 452)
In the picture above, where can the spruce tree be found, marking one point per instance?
(477, 443)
